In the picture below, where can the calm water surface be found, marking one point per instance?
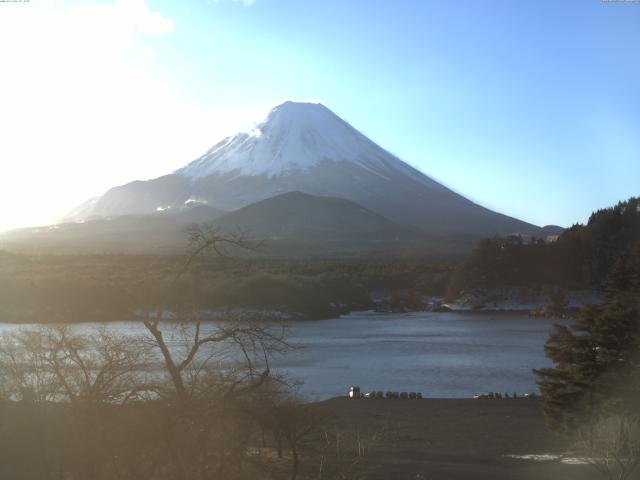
(439, 354)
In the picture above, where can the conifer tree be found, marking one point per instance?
(597, 359)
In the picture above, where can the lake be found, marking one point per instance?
(448, 354)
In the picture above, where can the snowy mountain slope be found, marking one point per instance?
(295, 137)
(305, 147)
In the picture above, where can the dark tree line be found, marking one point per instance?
(106, 287)
(582, 257)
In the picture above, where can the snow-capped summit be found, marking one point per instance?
(294, 137)
(305, 147)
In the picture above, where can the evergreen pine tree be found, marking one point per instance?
(597, 360)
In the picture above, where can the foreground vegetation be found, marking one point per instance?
(104, 407)
(186, 400)
(592, 395)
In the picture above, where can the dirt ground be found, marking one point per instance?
(441, 439)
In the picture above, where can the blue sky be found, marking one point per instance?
(531, 108)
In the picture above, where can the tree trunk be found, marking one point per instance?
(294, 453)
(174, 372)
(278, 438)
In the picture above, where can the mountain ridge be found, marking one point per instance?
(307, 148)
(297, 212)
(292, 223)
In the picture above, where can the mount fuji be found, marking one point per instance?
(305, 147)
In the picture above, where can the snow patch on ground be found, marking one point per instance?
(548, 457)
(520, 299)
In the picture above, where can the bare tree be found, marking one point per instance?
(611, 444)
(210, 367)
(23, 376)
(56, 364)
(248, 333)
(170, 405)
(65, 397)
(249, 340)
(298, 421)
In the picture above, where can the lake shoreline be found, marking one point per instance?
(295, 317)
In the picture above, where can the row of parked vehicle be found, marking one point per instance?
(354, 392)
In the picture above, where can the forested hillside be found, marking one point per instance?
(582, 257)
(111, 287)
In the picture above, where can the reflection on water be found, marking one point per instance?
(439, 354)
